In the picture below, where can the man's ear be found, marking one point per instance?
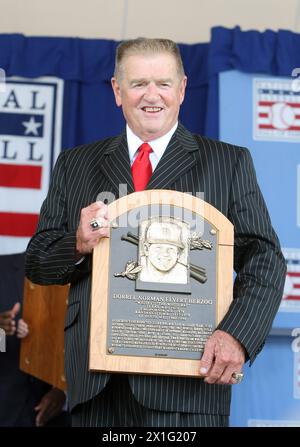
(117, 91)
(182, 89)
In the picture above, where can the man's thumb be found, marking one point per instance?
(15, 310)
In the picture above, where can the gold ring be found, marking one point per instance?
(238, 377)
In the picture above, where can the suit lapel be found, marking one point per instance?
(115, 164)
(176, 161)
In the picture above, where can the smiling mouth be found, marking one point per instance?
(152, 109)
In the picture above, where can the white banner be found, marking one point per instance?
(30, 141)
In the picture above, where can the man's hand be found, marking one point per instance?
(7, 319)
(223, 355)
(86, 238)
(50, 406)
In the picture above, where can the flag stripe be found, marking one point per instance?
(18, 224)
(292, 297)
(20, 176)
(271, 103)
(269, 126)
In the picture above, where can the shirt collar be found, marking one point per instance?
(159, 145)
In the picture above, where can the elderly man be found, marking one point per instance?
(156, 151)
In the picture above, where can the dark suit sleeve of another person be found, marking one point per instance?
(258, 262)
(51, 253)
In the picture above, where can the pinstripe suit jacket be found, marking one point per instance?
(190, 163)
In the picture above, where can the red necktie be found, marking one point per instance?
(141, 168)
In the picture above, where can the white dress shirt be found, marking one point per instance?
(159, 145)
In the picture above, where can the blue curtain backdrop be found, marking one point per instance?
(272, 53)
(86, 66)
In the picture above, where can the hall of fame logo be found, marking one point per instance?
(291, 294)
(276, 110)
(30, 141)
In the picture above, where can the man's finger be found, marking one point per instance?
(215, 373)
(96, 206)
(103, 212)
(22, 329)
(226, 377)
(23, 325)
(10, 329)
(102, 222)
(40, 408)
(207, 359)
(38, 422)
(15, 310)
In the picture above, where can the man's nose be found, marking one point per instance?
(152, 92)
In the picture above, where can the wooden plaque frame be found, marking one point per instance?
(100, 359)
(42, 351)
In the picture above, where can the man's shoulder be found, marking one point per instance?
(208, 145)
(212, 144)
(95, 148)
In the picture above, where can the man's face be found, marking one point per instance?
(150, 92)
(163, 256)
